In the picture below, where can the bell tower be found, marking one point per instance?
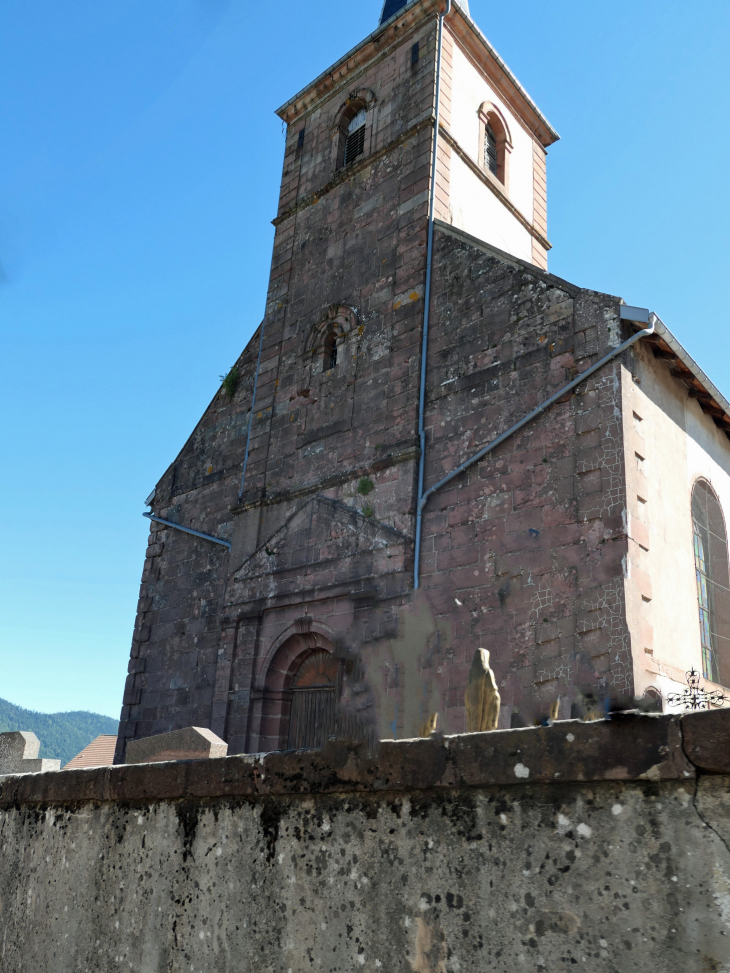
(491, 177)
(338, 401)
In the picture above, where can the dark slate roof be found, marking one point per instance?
(391, 7)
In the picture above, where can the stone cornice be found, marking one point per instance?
(407, 454)
(373, 48)
(378, 45)
(476, 45)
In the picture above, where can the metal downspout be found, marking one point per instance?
(427, 295)
(651, 318)
(188, 530)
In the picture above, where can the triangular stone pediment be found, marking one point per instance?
(319, 530)
(321, 534)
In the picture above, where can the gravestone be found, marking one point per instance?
(191, 743)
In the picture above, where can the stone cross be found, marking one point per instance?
(190, 743)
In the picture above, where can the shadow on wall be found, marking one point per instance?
(415, 683)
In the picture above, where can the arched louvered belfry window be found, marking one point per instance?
(496, 143)
(355, 139)
(315, 692)
(713, 582)
(490, 149)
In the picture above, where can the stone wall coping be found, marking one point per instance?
(627, 747)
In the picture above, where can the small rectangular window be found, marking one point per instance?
(300, 138)
(414, 53)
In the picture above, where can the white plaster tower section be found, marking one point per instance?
(492, 178)
(475, 207)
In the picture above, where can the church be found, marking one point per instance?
(431, 444)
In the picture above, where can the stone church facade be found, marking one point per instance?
(572, 551)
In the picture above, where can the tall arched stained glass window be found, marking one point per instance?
(713, 582)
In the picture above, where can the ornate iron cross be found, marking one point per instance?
(695, 697)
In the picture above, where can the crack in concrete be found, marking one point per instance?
(702, 817)
(698, 777)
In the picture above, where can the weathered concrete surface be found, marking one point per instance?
(416, 861)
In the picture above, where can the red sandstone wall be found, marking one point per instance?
(531, 539)
(174, 650)
(176, 675)
(521, 556)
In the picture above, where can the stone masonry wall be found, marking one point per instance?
(179, 675)
(457, 856)
(531, 540)
(522, 555)
(177, 629)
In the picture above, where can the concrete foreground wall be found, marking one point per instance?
(465, 854)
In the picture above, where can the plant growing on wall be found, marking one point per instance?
(229, 382)
(365, 486)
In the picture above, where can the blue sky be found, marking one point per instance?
(139, 171)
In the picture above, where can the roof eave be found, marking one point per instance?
(390, 25)
(360, 54)
(685, 369)
(546, 132)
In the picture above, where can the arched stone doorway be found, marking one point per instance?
(315, 691)
(300, 698)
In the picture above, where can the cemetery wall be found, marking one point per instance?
(600, 846)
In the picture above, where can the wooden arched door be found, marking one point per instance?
(315, 691)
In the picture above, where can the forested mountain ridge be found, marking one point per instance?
(62, 735)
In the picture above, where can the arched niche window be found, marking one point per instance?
(713, 582)
(352, 128)
(330, 351)
(326, 345)
(314, 706)
(653, 700)
(495, 143)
